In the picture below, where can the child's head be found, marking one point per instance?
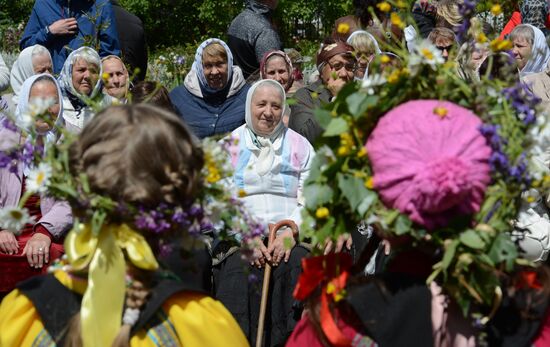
(139, 154)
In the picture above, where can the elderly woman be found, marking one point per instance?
(271, 164)
(276, 65)
(530, 49)
(28, 253)
(211, 100)
(336, 64)
(366, 47)
(81, 88)
(31, 61)
(115, 77)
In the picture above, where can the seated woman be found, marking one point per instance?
(81, 86)
(336, 64)
(271, 164)
(149, 308)
(276, 65)
(27, 254)
(31, 61)
(530, 49)
(211, 100)
(117, 82)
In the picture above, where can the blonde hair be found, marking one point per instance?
(363, 43)
(447, 11)
(214, 50)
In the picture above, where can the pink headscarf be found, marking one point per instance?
(431, 167)
(282, 54)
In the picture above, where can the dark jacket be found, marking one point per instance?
(132, 41)
(46, 12)
(251, 35)
(208, 113)
(302, 118)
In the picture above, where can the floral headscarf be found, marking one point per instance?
(263, 67)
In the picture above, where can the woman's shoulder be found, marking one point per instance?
(298, 141)
(200, 320)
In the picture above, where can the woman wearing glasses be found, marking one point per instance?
(336, 65)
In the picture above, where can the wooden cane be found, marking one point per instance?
(267, 274)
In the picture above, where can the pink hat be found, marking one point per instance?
(432, 167)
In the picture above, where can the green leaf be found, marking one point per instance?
(503, 249)
(317, 195)
(97, 221)
(402, 224)
(324, 117)
(353, 189)
(369, 199)
(471, 239)
(356, 104)
(336, 127)
(449, 254)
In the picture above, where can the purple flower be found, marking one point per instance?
(8, 123)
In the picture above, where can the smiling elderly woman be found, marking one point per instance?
(80, 84)
(40, 242)
(211, 100)
(271, 164)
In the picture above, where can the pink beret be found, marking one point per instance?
(431, 167)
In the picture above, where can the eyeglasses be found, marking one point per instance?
(444, 48)
(351, 67)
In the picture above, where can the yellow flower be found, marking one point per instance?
(401, 4)
(546, 179)
(500, 45)
(343, 28)
(105, 76)
(481, 38)
(314, 95)
(384, 7)
(334, 113)
(322, 213)
(343, 151)
(531, 199)
(369, 183)
(496, 9)
(397, 21)
(384, 59)
(394, 76)
(362, 152)
(441, 111)
(242, 193)
(346, 139)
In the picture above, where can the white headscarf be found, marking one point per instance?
(265, 145)
(23, 68)
(197, 64)
(540, 54)
(22, 107)
(66, 76)
(377, 49)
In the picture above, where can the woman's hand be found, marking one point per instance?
(37, 250)
(280, 249)
(343, 240)
(8, 243)
(260, 255)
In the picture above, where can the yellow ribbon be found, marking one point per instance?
(103, 301)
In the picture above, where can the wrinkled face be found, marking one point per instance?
(522, 51)
(215, 70)
(42, 64)
(45, 90)
(84, 76)
(116, 83)
(267, 109)
(277, 69)
(339, 67)
(444, 45)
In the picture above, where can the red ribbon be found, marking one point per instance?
(529, 279)
(331, 269)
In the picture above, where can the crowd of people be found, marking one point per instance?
(239, 90)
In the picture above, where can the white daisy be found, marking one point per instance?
(371, 81)
(36, 107)
(425, 53)
(13, 219)
(39, 178)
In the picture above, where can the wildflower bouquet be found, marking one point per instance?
(342, 190)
